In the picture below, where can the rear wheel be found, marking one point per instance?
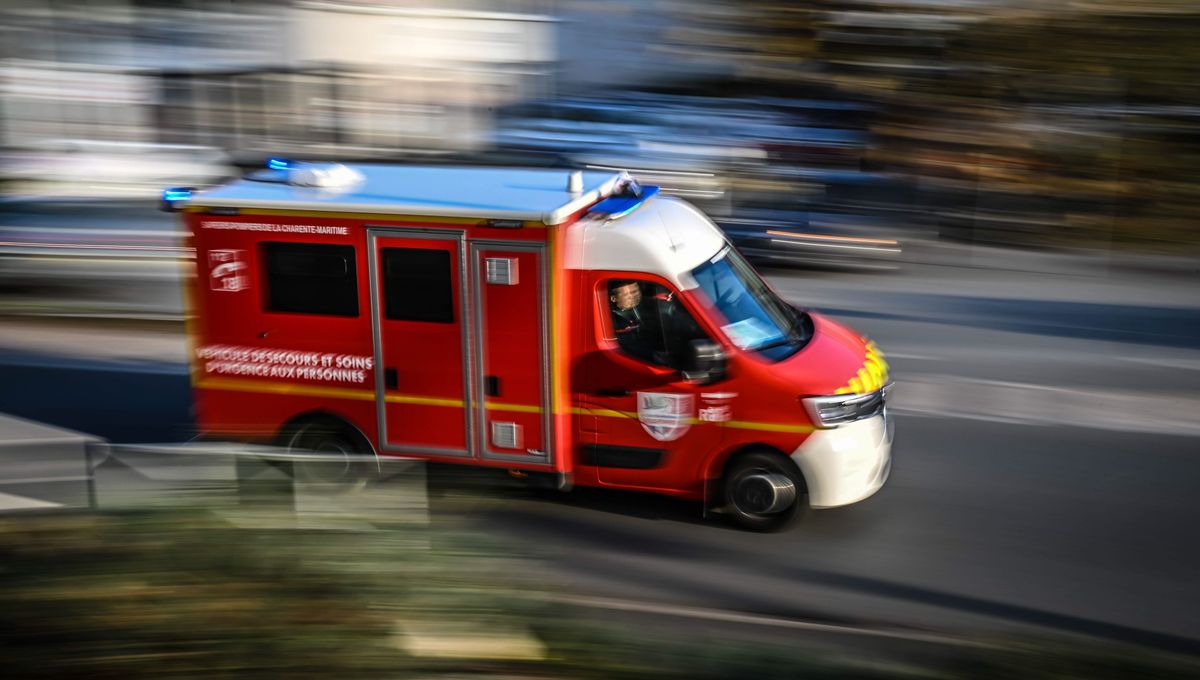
(328, 453)
(763, 491)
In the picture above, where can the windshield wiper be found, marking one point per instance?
(775, 343)
(792, 337)
(796, 334)
(801, 324)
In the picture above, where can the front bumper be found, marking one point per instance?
(846, 464)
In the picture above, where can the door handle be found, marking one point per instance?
(612, 392)
(390, 380)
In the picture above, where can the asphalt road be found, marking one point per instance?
(1046, 457)
(983, 528)
(1077, 514)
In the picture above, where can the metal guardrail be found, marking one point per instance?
(45, 468)
(225, 474)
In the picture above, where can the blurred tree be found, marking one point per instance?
(1028, 122)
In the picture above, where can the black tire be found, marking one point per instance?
(754, 487)
(339, 448)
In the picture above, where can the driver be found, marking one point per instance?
(625, 298)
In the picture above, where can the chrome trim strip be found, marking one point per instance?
(545, 258)
(376, 338)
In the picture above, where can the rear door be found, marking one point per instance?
(421, 340)
(512, 351)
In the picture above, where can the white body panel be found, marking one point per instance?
(664, 236)
(845, 464)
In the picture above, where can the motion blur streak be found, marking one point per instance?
(90, 246)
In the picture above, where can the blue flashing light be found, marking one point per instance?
(621, 205)
(172, 197)
(279, 164)
(176, 194)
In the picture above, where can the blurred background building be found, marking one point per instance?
(1003, 121)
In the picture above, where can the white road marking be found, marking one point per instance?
(1177, 363)
(727, 616)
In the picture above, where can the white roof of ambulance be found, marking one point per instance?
(664, 236)
(493, 193)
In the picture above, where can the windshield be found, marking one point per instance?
(756, 319)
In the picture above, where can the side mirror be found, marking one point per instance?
(707, 363)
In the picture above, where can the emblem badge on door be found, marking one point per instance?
(666, 417)
(227, 271)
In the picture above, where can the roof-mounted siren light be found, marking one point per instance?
(174, 198)
(627, 196)
(320, 175)
(323, 175)
(575, 182)
(627, 185)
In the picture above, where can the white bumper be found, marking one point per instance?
(846, 464)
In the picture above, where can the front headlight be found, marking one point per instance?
(840, 409)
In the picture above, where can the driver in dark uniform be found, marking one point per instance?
(632, 334)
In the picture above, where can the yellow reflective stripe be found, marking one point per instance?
(236, 385)
(607, 413)
(422, 401)
(519, 408)
(737, 424)
(769, 427)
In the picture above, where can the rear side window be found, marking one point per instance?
(311, 278)
(418, 285)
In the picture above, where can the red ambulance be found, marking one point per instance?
(573, 326)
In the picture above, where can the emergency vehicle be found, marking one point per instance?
(568, 325)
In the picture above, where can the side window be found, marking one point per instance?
(651, 324)
(418, 285)
(311, 278)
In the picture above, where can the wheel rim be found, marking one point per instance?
(763, 492)
(333, 470)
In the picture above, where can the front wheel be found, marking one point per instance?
(763, 491)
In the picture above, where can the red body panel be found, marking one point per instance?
(423, 358)
(513, 351)
(255, 369)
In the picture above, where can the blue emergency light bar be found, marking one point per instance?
(279, 164)
(622, 204)
(172, 197)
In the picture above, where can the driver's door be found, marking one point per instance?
(645, 414)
